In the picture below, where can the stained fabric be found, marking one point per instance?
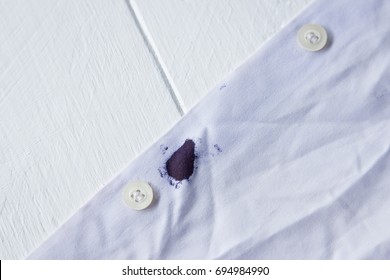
(291, 159)
(180, 166)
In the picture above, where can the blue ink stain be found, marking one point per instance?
(217, 148)
(180, 165)
(222, 87)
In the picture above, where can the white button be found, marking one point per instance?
(138, 195)
(312, 37)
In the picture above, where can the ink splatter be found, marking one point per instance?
(222, 87)
(180, 165)
(162, 171)
(217, 148)
(163, 149)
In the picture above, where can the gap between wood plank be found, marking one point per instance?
(178, 103)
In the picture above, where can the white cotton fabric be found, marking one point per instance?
(304, 166)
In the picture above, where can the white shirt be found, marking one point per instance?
(292, 159)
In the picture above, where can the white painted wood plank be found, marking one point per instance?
(80, 97)
(200, 41)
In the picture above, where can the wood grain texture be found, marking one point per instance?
(200, 41)
(80, 97)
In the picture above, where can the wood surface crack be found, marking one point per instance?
(168, 83)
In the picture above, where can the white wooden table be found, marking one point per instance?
(86, 86)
